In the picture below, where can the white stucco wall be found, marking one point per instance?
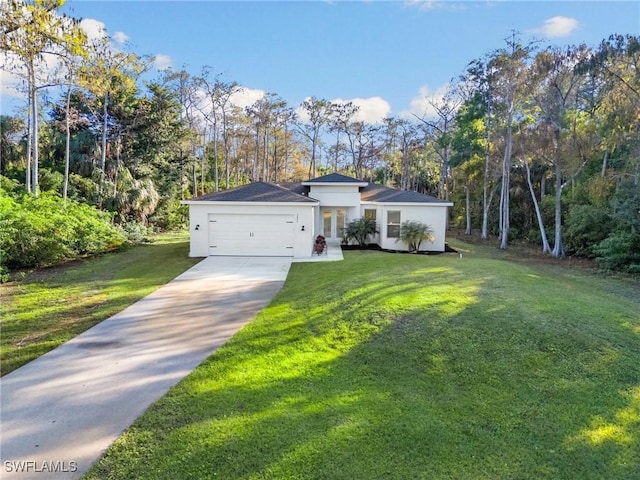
(433, 215)
(199, 216)
(336, 195)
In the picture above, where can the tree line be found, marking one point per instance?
(530, 143)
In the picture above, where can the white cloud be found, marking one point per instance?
(97, 31)
(9, 85)
(428, 5)
(94, 29)
(370, 110)
(120, 37)
(162, 62)
(245, 97)
(13, 73)
(558, 26)
(422, 105)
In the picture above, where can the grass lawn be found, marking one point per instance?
(409, 367)
(50, 306)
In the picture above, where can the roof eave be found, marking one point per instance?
(391, 202)
(309, 203)
(355, 184)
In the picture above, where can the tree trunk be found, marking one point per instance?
(265, 152)
(215, 161)
(543, 234)
(195, 180)
(312, 165)
(286, 152)
(467, 199)
(27, 179)
(444, 173)
(117, 169)
(485, 180)
(67, 145)
(335, 160)
(275, 156)
(227, 149)
(404, 170)
(485, 201)
(103, 156)
(254, 167)
(558, 249)
(504, 195)
(605, 160)
(35, 143)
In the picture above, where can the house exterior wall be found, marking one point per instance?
(433, 215)
(199, 216)
(377, 208)
(336, 195)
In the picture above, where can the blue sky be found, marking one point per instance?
(391, 55)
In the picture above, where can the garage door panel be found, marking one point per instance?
(251, 234)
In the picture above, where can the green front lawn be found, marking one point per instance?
(50, 306)
(407, 367)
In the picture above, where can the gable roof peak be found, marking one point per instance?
(335, 178)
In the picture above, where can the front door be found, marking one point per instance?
(333, 222)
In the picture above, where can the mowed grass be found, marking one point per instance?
(50, 306)
(410, 367)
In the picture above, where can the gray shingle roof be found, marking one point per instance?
(334, 178)
(255, 192)
(295, 192)
(379, 193)
(295, 187)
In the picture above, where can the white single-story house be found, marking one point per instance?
(265, 219)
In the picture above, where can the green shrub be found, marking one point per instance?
(170, 215)
(10, 186)
(50, 180)
(413, 233)
(136, 232)
(587, 225)
(359, 231)
(45, 230)
(4, 274)
(620, 251)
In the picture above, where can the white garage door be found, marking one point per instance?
(251, 234)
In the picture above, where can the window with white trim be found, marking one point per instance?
(393, 224)
(370, 214)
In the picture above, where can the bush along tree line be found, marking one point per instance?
(530, 143)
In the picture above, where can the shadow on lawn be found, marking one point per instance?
(464, 383)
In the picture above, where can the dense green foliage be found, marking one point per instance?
(440, 368)
(360, 230)
(413, 233)
(47, 307)
(609, 232)
(45, 230)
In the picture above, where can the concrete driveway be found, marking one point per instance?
(60, 412)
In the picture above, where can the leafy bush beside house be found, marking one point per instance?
(45, 230)
(360, 230)
(413, 233)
